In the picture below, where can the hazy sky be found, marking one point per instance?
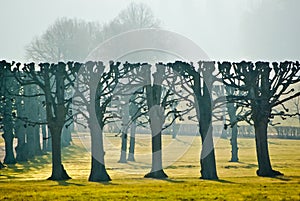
(219, 27)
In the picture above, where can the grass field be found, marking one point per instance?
(26, 181)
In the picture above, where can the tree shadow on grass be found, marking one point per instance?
(173, 180)
(66, 183)
(282, 178)
(224, 181)
(244, 165)
(37, 163)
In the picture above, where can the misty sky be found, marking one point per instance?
(225, 30)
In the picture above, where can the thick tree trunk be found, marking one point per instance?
(132, 142)
(98, 171)
(156, 120)
(58, 171)
(202, 92)
(157, 169)
(207, 158)
(9, 150)
(8, 134)
(262, 150)
(1, 165)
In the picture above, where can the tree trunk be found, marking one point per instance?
(234, 144)
(37, 141)
(21, 148)
(58, 171)
(44, 133)
(98, 171)
(49, 141)
(262, 150)
(1, 165)
(66, 137)
(30, 139)
(207, 158)
(156, 118)
(9, 150)
(204, 115)
(20, 133)
(124, 145)
(8, 133)
(132, 142)
(156, 169)
(174, 130)
(234, 130)
(203, 102)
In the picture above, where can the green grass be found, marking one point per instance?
(26, 181)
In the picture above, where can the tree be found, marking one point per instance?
(221, 91)
(232, 110)
(65, 40)
(7, 103)
(265, 89)
(86, 102)
(135, 113)
(201, 83)
(53, 80)
(135, 16)
(73, 39)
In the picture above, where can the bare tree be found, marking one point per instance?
(7, 106)
(65, 40)
(73, 39)
(135, 16)
(265, 88)
(53, 80)
(200, 83)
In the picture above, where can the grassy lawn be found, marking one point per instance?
(26, 181)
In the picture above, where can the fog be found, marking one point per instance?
(225, 30)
